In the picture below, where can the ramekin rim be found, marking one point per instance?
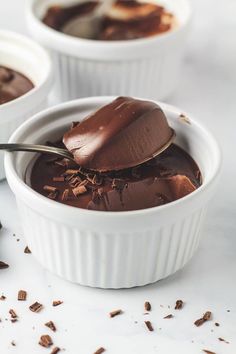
(100, 99)
(108, 44)
(48, 73)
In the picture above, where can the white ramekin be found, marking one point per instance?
(148, 67)
(23, 55)
(111, 249)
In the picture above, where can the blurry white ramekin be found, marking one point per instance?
(27, 57)
(111, 249)
(147, 67)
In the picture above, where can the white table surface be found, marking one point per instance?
(208, 282)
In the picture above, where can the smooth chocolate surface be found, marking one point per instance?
(12, 84)
(165, 178)
(122, 134)
(127, 19)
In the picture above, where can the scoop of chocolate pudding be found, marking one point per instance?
(12, 84)
(127, 19)
(122, 134)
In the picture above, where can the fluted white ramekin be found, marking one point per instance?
(147, 67)
(27, 57)
(111, 249)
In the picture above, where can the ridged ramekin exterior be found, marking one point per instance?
(145, 67)
(111, 249)
(10, 125)
(115, 259)
(154, 77)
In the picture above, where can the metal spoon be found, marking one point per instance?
(65, 153)
(87, 26)
(37, 148)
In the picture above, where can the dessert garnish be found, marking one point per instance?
(203, 319)
(36, 307)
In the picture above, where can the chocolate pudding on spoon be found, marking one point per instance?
(112, 178)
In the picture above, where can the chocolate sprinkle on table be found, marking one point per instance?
(2, 297)
(27, 250)
(168, 317)
(223, 340)
(55, 350)
(57, 303)
(115, 313)
(51, 325)
(12, 313)
(147, 306)
(217, 324)
(208, 351)
(22, 295)
(179, 305)
(45, 341)
(36, 307)
(100, 351)
(203, 319)
(3, 265)
(149, 326)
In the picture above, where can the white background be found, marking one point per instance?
(207, 90)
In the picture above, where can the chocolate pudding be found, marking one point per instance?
(13, 84)
(117, 133)
(127, 19)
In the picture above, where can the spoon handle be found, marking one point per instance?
(36, 148)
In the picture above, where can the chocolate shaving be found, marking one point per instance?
(208, 351)
(100, 351)
(115, 313)
(65, 195)
(51, 325)
(223, 340)
(45, 341)
(71, 172)
(179, 305)
(22, 295)
(49, 189)
(58, 179)
(79, 190)
(147, 306)
(55, 350)
(3, 265)
(149, 326)
(57, 303)
(168, 316)
(203, 319)
(36, 307)
(53, 195)
(13, 320)
(2, 297)
(13, 343)
(27, 250)
(217, 324)
(12, 313)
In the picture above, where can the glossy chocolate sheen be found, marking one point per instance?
(13, 85)
(127, 19)
(122, 134)
(166, 178)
